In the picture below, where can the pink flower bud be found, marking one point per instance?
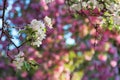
(102, 57)
(113, 63)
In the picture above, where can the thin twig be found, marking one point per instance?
(3, 14)
(3, 31)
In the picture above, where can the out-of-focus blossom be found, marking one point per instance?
(89, 55)
(24, 74)
(60, 1)
(75, 7)
(102, 57)
(84, 4)
(118, 39)
(113, 63)
(44, 4)
(48, 22)
(107, 46)
(93, 2)
(19, 59)
(113, 50)
(116, 20)
(113, 7)
(39, 75)
(49, 1)
(10, 78)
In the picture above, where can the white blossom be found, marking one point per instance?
(93, 2)
(40, 28)
(116, 20)
(75, 7)
(114, 8)
(48, 22)
(84, 4)
(101, 6)
(19, 59)
(101, 21)
(36, 25)
(49, 1)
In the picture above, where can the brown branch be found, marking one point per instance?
(23, 43)
(3, 14)
(3, 22)
(9, 38)
(3, 31)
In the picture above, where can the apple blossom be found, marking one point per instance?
(48, 22)
(19, 59)
(40, 29)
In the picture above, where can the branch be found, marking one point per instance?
(3, 14)
(83, 13)
(3, 31)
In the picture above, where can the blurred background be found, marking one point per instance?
(67, 53)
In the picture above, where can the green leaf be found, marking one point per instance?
(78, 75)
(33, 64)
(26, 66)
(72, 55)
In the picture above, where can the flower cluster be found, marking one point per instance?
(40, 29)
(36, 31)
(19, 59)
(114, 5)
(115, 10)
(48, 22)
(48, 1)
(110, 10)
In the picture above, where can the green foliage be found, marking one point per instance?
(26, 66)
(71, 2)
(78, 75)
(30, 66)
(75, 61)
(72, 55)
(31, 34)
